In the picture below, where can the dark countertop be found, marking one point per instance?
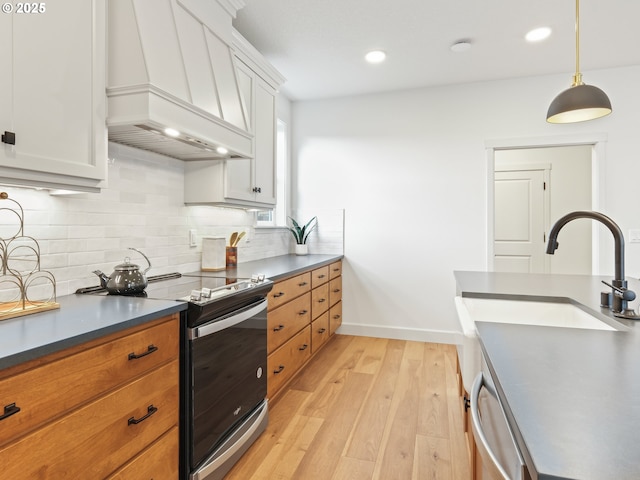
(277, 268)
(82, 318)
(79, 319)
(572, 396)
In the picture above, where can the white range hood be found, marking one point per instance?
(170, 65)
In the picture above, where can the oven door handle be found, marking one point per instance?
(229, 321)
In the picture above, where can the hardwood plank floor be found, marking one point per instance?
(365, 408)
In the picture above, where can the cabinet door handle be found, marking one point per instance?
(277, 295)
(280, 369)
(257, 190)
(9, 410)
(150, 349)
(320, 300)
(303, 312)
(322, 330)
(336, 317)
(9, 138)
(150, 411)
(278, 328)
(303, 347)
(336, 290)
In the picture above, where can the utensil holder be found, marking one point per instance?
(232, 257)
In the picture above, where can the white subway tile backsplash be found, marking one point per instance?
(142, 207)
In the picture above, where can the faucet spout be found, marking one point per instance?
(619, 280)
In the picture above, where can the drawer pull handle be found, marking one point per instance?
(150, 411)
(280, 369)
(336, 317)
(322, 330)
(303, 312)
(277, 295)
(302, 284)
(9, 410)
(336, 269)
(336, 290)
(150, 349)
(278, 328)
(320, 300)
(303, 347)
(321, 276)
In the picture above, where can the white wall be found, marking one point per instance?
(410, 170)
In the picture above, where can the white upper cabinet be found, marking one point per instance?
(247, 182)
(52, 95)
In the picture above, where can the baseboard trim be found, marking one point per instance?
(401, 333)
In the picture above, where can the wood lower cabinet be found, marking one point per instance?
(287, 360)
(97, 410)
(299, 321)
(335, 317)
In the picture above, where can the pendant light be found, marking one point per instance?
(580, 102)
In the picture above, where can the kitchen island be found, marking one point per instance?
(572, 396)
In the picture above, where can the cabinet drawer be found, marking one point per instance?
(45, 392)
(319, 332)
(319, 276)
(287, 360)
(335, 317)
(335, 290)
(319, 300)
(158, 462)
(96, 439)
(289, 289)
(335, 269)
(287, 320)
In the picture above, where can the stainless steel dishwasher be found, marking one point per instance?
(501, 457)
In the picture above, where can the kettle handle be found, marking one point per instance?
(145, 257)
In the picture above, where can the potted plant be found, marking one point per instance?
(301, 234)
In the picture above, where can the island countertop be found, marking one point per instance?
(572, 396)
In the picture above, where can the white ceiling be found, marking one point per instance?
(318, 45)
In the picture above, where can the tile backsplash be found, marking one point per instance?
(142, 207)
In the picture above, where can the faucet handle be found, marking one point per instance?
(628, 295)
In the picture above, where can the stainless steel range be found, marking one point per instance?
(224, 362)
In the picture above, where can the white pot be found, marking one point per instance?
(302, 249)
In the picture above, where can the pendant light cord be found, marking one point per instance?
(577, 78)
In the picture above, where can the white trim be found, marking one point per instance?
(401, 333)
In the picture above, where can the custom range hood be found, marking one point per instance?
(172, 86)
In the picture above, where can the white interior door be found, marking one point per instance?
(519, 223)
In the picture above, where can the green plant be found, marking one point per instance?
(302, 233)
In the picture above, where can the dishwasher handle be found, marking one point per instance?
(228, 321)
(490, 460)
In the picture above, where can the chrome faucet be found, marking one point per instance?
(618, 300)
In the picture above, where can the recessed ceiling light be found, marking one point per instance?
(375, 56)
(538, 34)
(172, 132)
(461, 46)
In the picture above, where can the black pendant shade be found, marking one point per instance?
(579, 104)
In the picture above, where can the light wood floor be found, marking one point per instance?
(365, 408)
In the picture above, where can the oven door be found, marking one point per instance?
(228, 378)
